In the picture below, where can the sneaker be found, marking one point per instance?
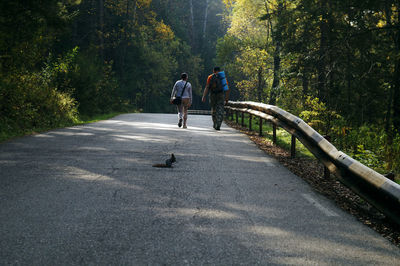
(184, 126)
(180, 122)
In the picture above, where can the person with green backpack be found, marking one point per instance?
(217, 87)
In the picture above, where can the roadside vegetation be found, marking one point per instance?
(335, 64)
(283, 138)
(66, 60)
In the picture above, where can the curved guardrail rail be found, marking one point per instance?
(381, 192)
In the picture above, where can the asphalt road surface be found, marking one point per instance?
(88, 195)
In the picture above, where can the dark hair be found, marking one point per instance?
(217, 69)
(184, 76)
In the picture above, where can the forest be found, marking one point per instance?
(63, 59)
(334, 63)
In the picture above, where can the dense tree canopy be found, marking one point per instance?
(96, 56)
(334, 63)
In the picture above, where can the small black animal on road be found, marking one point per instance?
(168, 162)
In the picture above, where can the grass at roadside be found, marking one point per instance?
(283, 138)
(96, 118)
(4, 136)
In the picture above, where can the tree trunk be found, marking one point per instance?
(305, 82)
(124, 39)
(349, 67)
(260, 84)
(304, 61)
(191, 24)
(205, 20)
(101, 29)
(396, 76)
(277, 69)
(93, 21)
(396, 89)
(393, 92)
(134, 16)
(277, 57)
(321, 86)
(330, 89)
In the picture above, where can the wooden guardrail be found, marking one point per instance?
(381, 192)
(199, 112)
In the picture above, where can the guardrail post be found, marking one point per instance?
(250, 119)
(274, 133)
(327, 173)
(242, 119)
(293, 147)
(260, 127)
(237, 117)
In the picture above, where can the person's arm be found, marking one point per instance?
(173, 92)
(227, 93)
(227, 96)
(190, 94)
(203, 99)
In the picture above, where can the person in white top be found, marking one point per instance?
(186, 87)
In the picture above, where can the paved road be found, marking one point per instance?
(88, 195)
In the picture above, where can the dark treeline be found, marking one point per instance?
(61, 59)
(335, 63)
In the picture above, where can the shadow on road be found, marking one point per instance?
(88, 195)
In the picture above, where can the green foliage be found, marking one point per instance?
(95, 86)
(367, 157)
(394, 155)
(30, 101)
(61, 58)
(317, 115)
(283, 138)
(336, 62)
(370, 146)
(32, 95)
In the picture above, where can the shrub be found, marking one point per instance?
(318, 116)
(32, 100)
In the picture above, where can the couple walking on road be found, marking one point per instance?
(216, 86)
